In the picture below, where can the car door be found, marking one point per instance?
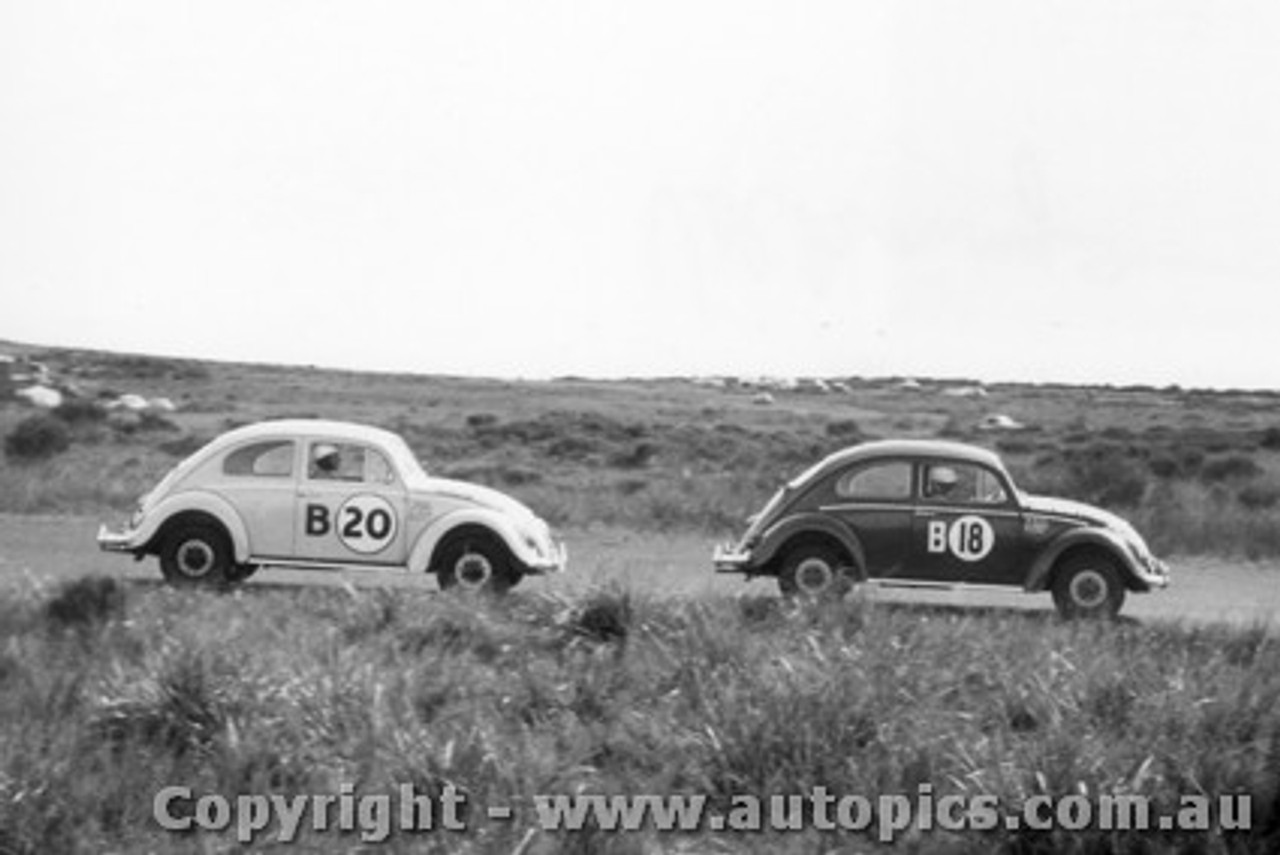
(967, 526)
(351, 506)
(874, 499)
(258, 479)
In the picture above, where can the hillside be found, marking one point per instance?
(1197, 470)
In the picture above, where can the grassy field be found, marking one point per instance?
(109, 693)
(1197, 471)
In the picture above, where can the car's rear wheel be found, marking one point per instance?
(476, 564)
(1088, 585)
(197, 554)
(814, 572)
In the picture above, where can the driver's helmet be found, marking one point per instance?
(326, 457)
(942, 480)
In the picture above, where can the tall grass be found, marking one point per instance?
(107, 697)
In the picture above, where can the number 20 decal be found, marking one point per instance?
(365, 524)
(969, 538)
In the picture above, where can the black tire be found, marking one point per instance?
(197, 555)
(476, 563)
(814, 572)
(1088, 585)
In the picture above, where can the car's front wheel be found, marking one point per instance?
(197, 554)
(1088, 585)
(475, 563)
(814, 572)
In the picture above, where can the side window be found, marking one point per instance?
(377, 470)
(271, 459)
(877, 481)
(341, 461)
(966, 483)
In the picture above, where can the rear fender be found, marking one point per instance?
(777, 537)
(147, 536)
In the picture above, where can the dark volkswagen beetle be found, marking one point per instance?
(933, 513)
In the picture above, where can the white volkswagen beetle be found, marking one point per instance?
(315, 494)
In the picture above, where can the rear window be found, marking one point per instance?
(890, 480)
(270, 459)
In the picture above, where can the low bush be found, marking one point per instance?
(86, 603)
(75, 411)
(1258, 497)
(1101, 473)
(1235, 467)
(183, 446)
(845, 430)
(637, 457)
(1270, 439)
(36, 438)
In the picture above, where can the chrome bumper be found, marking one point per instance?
(555, 562)
(1156, 574)
(729, 559)
(115, 541)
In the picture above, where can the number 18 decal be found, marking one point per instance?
(969, 538)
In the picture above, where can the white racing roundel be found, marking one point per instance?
(366, 523)
(971, 538)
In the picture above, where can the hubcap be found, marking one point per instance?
(814, 576)
(195, 558)
(1089, 589)
(473, 571)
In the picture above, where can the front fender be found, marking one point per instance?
(500, 524)
(198, 501)
(780, 533)
(1041, 573)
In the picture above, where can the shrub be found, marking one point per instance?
(37, 437)
(1232, 468)
(183, 446)
(1015, 446)
(604, 616)
(1258, 497)
(1101, 473)
(75, 411)
(637, 458)
(85, 603)
(1117, 433)
(1270, 439)
(1191, 459)
(631, 486)
(952, 428)
(846, 430)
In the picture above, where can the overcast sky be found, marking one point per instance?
(1005, 189)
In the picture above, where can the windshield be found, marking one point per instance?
(404, 460)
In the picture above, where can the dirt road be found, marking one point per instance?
(41, 550)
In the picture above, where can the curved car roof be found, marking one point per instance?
(912, 448)
(311, 428)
